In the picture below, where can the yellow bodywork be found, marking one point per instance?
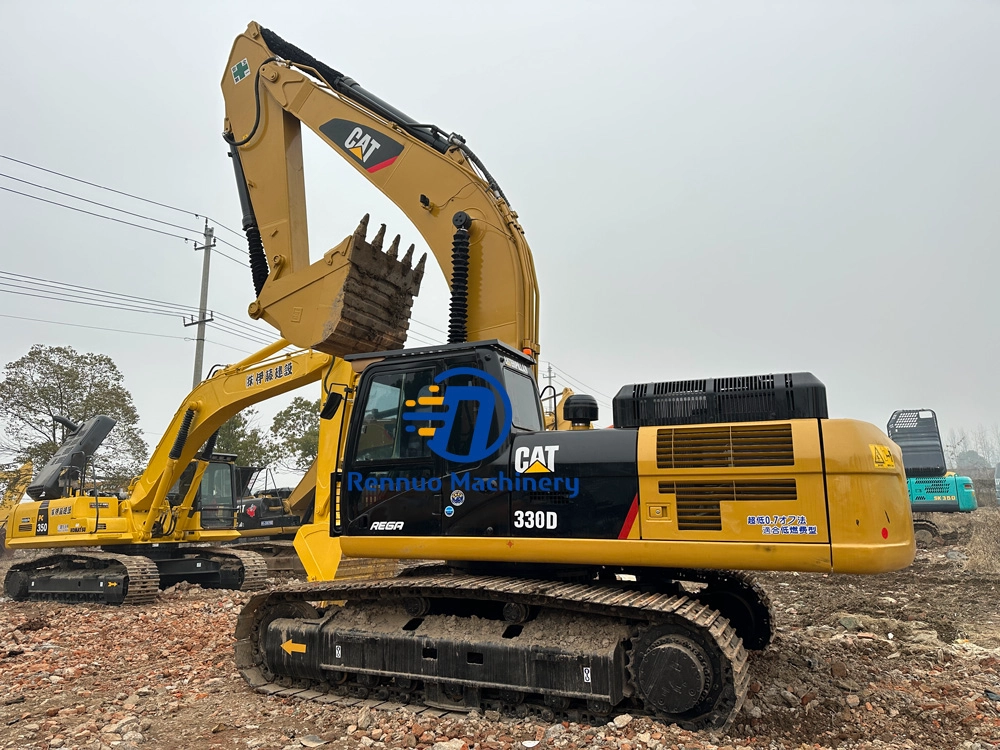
(852, 517)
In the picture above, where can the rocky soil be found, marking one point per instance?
(909, 659)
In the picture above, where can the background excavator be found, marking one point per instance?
(183, 498)
(14, 483)
(932, 488)
(589, 571)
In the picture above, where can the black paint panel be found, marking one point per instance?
(602, 463)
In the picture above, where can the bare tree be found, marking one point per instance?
(958, 442)
(982, 443)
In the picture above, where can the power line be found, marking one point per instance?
(579, 382)
(30, 286)
(69, 295)
(120, 221)
(428, 325)
(96, 328)
(89, 303)
(99, 216)
(421, 338)
(235, 247)
(230, 257)
(121, 192)
(97, 203)
(120, 330)
(88, 291)
(242, 323)
(232, 332)
(219, 343)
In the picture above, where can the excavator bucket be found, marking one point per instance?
(355, 299)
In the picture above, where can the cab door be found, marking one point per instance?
(391, 480)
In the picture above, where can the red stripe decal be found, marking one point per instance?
(382, 165)
(630, 519)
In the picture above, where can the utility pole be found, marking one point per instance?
(549, 376)
(199, 349)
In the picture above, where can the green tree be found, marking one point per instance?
(243, 436)
(296, 431)
(58, 380)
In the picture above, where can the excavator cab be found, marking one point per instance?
(430, 438)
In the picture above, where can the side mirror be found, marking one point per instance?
(333, 402)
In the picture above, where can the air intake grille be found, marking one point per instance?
(725, 447)
(699, 503)
(938, 486)
(754, 398)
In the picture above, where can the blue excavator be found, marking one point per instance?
(933, 489)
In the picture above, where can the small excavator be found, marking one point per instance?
(586, 572)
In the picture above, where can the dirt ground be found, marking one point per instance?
(908, 659)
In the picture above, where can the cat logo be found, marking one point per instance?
(361, 144)
(369, 148)
(538, 459)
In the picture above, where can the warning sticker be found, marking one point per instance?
(882, 456)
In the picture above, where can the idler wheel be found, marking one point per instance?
(16, 585)
(674, 674)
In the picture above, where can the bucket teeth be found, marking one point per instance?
(377, 239)
(393, 250)
(362, 231)
(361, 296)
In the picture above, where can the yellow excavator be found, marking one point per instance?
(14, 483)
(589, 572)
(188, 501)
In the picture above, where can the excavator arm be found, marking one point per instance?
(215, 400)
(270, 88)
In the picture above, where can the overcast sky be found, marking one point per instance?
(708, 189)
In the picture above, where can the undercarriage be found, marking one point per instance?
(132, 575)
(555, 649)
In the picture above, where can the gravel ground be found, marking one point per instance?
(908, 659)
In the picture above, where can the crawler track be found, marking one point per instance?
(286, 646)
(103, 577)
(925, 531)
(254, 566)
(739, 598)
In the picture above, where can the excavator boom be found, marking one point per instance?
(271, 87)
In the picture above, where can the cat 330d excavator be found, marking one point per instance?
(588, 571)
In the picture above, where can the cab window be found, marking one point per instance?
(383, 435)
(527, 411)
